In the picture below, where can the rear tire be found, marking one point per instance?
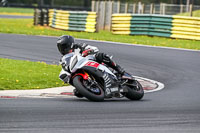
(134, 93)
(78, 84)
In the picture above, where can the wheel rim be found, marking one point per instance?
(92, 87)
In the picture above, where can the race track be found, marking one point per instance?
(176, 108)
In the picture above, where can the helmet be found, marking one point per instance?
(65, 44)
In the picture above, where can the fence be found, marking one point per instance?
(105, 9)
(41, 17)
(66, 20)
(156, 25)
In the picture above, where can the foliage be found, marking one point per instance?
(88, 2)
(197, 2)
(49, 2)
(148, 1)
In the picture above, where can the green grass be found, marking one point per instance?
(25, 26)
(16, 11)
(18, 74)
(194, 14)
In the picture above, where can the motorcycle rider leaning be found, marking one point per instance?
(66, 44)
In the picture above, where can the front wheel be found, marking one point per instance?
(89, 89)
(134, 92)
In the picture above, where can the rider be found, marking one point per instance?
(67, 45)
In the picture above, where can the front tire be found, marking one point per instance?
(79, 85)
(135, 93)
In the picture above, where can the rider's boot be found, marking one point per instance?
(120, 71)
(102, 57)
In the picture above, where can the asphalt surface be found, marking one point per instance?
(176, 108)
(15, 16)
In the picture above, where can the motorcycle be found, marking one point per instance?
(96, 81)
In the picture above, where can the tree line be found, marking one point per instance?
(84, 3)
(87, 3)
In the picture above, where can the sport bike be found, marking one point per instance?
(96, 81)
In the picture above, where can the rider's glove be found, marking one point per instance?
(87, 52)
(81, 46)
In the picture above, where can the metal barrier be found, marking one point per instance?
(73, 20)
(66, 20)
(186, 27)
(156, 25)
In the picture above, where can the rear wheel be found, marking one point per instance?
(134, 92)
(89, 89)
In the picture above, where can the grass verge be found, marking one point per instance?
(18, 74)
(25, 26)
(16, 11)
(194, 14)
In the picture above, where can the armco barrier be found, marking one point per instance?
(73, 20)
(186, 27)
(156, 25)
